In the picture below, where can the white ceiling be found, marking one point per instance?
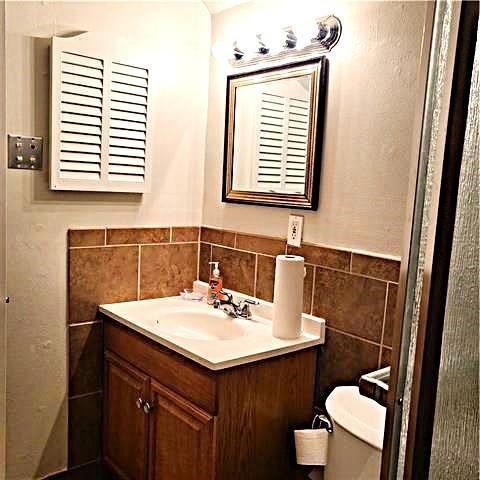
(215, 6)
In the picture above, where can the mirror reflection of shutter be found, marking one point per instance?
(81, 102)
(98, 124)
(128, 123)
(297, 138)
(271, 141)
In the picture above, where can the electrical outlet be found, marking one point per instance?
(295, 230)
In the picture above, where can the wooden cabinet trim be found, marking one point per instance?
(139, 381)
(172, 370)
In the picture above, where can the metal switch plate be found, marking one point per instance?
(25, 153)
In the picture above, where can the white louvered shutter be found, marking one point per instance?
(99, 119)
(282, 143)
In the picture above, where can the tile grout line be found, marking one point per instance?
(198, 261)
(383, 326)
(139, 266)
(313, 289)
(351, 262)
(79, 324)
(352, 335)
(355, 274)
(171, 234)
(82, 395)
(255, 276)
(131, 245)
(105, 236)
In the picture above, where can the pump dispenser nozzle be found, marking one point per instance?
(216, 270)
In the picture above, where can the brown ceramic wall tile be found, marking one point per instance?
(350, 303)
(259, 244)
(84, 429)
(219, 237)
(185, 234)
(167, 269)
(376, 267)
(390, 314)
(86, 238)
(205, 257)
(342, 360)
(238, 269)
(307, 289)
(100, 275)
(85, 358)
(385, 357)
(325, 257)
(265, 277)
(119, 236)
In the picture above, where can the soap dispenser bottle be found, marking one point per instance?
(215, 284)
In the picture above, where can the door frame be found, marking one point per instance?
(441, 211)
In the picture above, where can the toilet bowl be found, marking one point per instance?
(355, 446)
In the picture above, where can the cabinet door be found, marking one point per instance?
(125, 427)
(181, 438)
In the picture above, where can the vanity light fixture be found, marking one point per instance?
(327, 35)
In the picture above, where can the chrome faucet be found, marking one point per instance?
(235, 310)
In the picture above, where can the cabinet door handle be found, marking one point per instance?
(139, 403)
(147, 407)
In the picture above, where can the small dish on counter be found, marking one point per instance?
(209, 336)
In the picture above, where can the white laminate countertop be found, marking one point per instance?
(208, 336)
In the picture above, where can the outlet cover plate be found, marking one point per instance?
(25, 153)
(295, 230)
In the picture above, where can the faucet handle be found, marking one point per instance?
(251, 302)
(228, 295)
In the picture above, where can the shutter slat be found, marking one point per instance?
(118, 160)
(125, 125)
(81, 110)
(79, 166)
(84, 60)
(80, 157)
(80, 119)
(81, 100)
(115, 132)
(133, 90)
(81, 90)
(79, 175)
(127, 98)
(126, 169)
(126, 152)
(115, 177)
(79, 80)
(81, 128)
(126, 142)
(84, 71)
(127, 107)
(130, 70)
(79, 147)
(129, 80)
(80, 138)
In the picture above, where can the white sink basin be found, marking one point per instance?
(196, 324)
(208, 336)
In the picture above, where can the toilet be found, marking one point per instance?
(355, 446)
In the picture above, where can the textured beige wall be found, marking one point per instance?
(368, 132)
(177, 36)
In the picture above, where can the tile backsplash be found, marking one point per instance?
(354, 292)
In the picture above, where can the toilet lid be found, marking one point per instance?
(359, 415)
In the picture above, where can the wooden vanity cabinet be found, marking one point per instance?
(168, 418)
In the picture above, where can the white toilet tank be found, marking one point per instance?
(355, 446)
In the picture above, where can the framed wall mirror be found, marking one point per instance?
(273, 135)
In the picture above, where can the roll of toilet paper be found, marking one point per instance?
(311, 446)
(288, 296)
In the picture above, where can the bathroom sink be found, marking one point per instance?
(199, 325)
(209, 336)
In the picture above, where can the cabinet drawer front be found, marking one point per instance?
(171, 369)
(181, 438)
(125, 428)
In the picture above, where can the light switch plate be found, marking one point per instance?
(25, 153)
(295, 230)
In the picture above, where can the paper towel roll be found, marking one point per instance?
(311, 446)
(288, 297)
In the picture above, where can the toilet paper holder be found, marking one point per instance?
(321, 420)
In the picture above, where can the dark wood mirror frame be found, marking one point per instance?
(317, 68)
